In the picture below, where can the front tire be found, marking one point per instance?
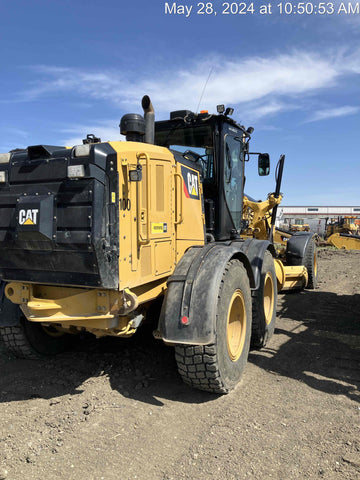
(264, 304)
(218, 367)
(33, 341)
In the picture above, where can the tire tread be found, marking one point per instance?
(204, 369)
(16, 342)
(262, 333)
(309, 264)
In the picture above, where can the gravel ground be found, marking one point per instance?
(117, 409)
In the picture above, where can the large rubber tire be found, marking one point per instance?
(33, 341)
(310, 262)
(264, 304)
(218, 367)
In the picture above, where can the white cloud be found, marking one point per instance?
(235, 80)
(256, 110)
(333, 113)
(263, 86)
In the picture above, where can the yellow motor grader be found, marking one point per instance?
(93, 236)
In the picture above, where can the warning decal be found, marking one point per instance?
(158, 227)
(191, 183)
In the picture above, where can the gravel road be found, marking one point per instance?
(117, 409)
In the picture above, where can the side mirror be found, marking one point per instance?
(263, 164)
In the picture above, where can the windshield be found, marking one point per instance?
(233, 178)
(193, 143)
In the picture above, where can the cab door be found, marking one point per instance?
(233, 179)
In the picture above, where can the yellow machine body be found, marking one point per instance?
(162, 223)
(258, 215)
(158, 222)
(345, 242)
(300, 227)
(345, 225)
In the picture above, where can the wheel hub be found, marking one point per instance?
(268, 298)
(315, 265)
(236, 326)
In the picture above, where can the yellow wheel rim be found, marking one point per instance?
(268, 298)
(315, 264)
(236, 326)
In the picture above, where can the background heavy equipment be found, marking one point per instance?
(344, 241)
(346, 224)
(94, 237)
(343, 233)
(299, 226)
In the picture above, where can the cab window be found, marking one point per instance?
(233, 178)
(195, 144)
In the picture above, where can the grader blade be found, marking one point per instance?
(344, 241)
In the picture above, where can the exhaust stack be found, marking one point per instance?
(149, 115)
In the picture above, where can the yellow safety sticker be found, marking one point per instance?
(158, 227)
(113, 197)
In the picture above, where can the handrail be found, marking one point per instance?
(147, 240)
(180, 210)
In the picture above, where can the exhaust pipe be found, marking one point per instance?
(149, 115)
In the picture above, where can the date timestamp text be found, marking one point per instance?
(251, 8)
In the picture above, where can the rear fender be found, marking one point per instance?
(296, 247)
(193, 293)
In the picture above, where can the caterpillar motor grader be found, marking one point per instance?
(93, 236)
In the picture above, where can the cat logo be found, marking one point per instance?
(28, 217)
(191, 183)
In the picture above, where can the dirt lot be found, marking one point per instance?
(115, 409)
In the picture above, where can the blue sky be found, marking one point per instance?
(69, 68)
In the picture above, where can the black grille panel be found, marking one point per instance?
(55, 230)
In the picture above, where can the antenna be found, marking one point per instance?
(202, 93)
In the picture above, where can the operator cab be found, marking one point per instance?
(216, 146)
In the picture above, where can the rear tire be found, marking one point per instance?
(264, 304)
(32, 340)
(310, 262)
(218, 367)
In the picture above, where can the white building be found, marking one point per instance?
(315, 216)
